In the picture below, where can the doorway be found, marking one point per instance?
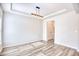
(51, 32)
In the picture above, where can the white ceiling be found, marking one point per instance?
(45, 8)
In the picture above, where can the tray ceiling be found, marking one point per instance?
(45, 8)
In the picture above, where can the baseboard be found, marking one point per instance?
(66, 46)
(15, 44)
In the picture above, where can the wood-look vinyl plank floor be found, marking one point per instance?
(39, 49)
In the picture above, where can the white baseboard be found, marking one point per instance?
(66, 45)
(20, 43)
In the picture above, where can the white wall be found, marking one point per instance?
(66, 29)
(0, 23)
(1, 12)
(21, 29)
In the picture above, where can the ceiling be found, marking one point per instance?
(45, 8)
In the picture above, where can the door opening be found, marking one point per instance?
(50, 31)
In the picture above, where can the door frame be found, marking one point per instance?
(45, 38)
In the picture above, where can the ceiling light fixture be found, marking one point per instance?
(37, 12)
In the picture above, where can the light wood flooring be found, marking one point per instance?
(39, 48)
